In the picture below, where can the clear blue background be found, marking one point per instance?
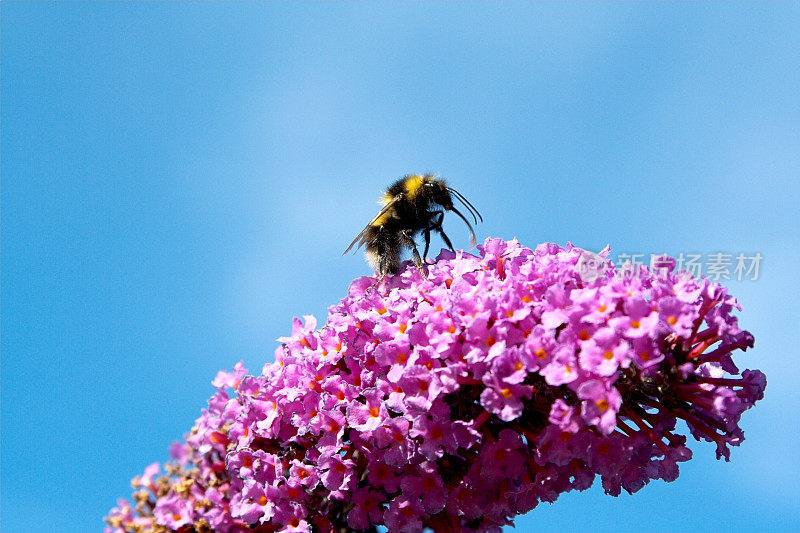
(179, 180)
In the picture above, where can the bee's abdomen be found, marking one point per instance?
(383, 249)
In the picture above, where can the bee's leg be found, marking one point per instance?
(436, 220)
(383, 268)
(427, 234)
(445, 239)
(417, 259)
(436, 225)
(377, 281)
(382, 271)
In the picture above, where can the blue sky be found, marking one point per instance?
(179, 180)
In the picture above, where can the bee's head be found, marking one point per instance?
(439, 193)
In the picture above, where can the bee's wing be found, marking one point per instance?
(382, 212)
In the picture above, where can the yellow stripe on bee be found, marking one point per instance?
(413, 185)
(381, 220)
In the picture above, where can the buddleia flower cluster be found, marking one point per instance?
(457, 398)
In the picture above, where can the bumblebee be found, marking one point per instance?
(413, 204)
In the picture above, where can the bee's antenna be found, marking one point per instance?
(471, 232)
(467, 204)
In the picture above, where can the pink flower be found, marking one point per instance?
(173, 511)
(367, 509)
(601, 404)
(369, 415)
(461, 399)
